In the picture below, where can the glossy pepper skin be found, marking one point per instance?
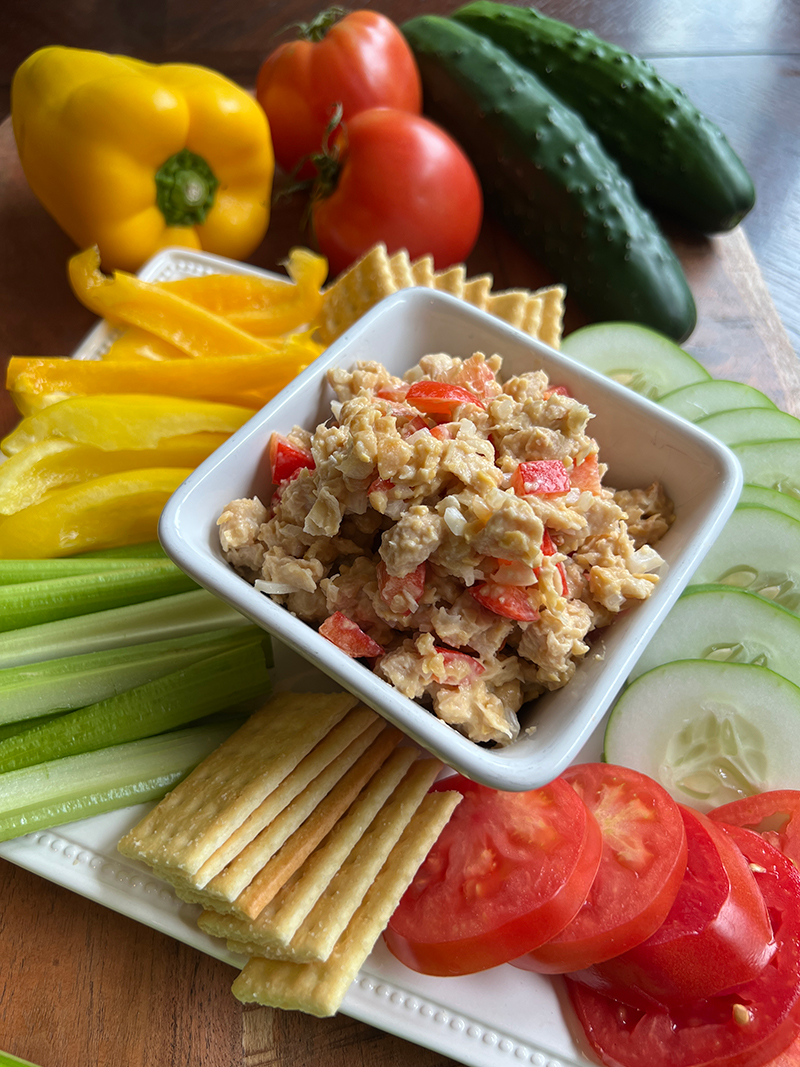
(134, 157)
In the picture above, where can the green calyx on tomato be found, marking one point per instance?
(318, 27)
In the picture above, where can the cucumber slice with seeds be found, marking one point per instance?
(750, 424)
(692, 402)
(771, 464)
(758, 550)
(726, 625)
(634, 356)
(708, 732)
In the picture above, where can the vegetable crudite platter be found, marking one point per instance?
(700, 653)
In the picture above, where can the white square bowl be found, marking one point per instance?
(639, 441)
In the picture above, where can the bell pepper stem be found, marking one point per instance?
(185, 189)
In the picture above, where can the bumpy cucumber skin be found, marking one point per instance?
(677, 159)
(546, 174)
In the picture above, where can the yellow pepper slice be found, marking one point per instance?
(116, 509)
(264, 307)
(135, 157)
(245, 381)
(136, 344)
(124, 298)
(28, 476)
(129, 421)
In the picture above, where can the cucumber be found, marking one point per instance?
(729, 625)
(677, 159)
(750, 424)
(771, 498)
(771, 464)
(708, 732)
(632, 355)
(549, 178)
(758, 550)
(692, 402)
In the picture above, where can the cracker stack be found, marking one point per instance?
(376, 275)
(298, 836)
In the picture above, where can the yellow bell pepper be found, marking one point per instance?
(141, 345)
(124, 298)
(245, 381)
(115, 509)
(28, 476)
(129, 421)
(135, 157)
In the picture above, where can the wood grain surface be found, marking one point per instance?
(81, 985)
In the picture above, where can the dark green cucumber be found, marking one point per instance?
(677, 159)
(547, 175)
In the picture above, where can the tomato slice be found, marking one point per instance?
(640, 872)
(544, 477)
(716, 936)
(349, 637)
(439, 398)
(775, 815)
(510, 601)
(286, 459)
(507, 872)
(747, 1028)
(402, 595)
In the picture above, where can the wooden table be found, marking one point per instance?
(82, 985)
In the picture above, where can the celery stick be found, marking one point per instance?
(16, 571)
(161, 704)
(114, 777)
(33, 603)
(7, 1060)
(169, 616)
(8, 729)
(35, 689)
(146, 550)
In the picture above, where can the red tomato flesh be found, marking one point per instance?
(349, 637)
(746, 1028)
(286, 459)
(775, 815)
(439, 398)
(716, 936)
(510, 601)
(542, 476)
(507, 872)
(362, 61)
(640, 872)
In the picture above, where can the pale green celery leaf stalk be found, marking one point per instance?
(146, 550)
(16, 571)
(182, 696)
(169, 616)
(33, 603)
(75, 787)
(37, 689)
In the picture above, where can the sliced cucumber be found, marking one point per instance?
(750, 424)
(727, 625)
(771, 498)
(709, 732)
(692, 402)
(771, 464)
(758, 550)
(635, 356)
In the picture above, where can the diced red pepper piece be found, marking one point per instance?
(391, 588)
(380, 485)
(460, 668)
(443, 432)
(586, 475)
(349, 637)
(412, 426)
(476, 376)
(548, 548)
(392, 392)
(286, 459)
(510, 601)
(439, 398)
(541, 476)
(561, 390)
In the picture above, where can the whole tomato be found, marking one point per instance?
(396, 178)
(360, 61)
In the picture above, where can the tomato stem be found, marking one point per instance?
(318, 27)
